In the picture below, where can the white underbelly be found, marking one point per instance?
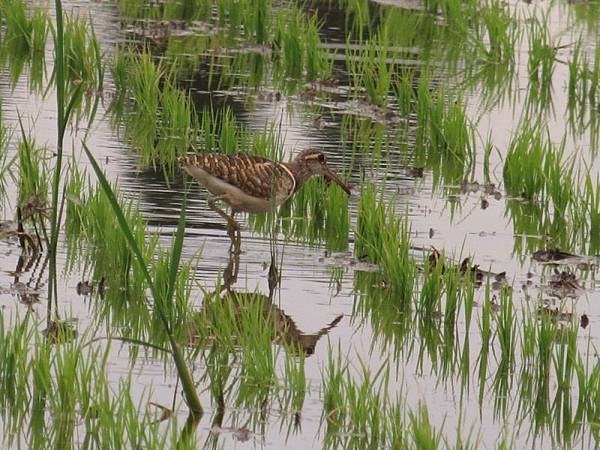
(235, 197)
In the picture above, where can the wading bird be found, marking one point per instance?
(254, 184)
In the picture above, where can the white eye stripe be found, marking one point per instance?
(318, 156)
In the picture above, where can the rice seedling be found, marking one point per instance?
(392, 323)
(259, 19)
(258, 358)
(591, 221)
(19, 35)
(357, 14)
(288, 38)
(454, 292)
(506, 330)
(188, 10)
(25, 39)
(85, 70)
(220, 372)
(64, 394)
(144, 83)
(14, 372)
(523, 176)
(423, 433)
(39, 35)
(372, 67)
(583, 92)
(586, 17)
(404, 89)
(5, 163)
(445, 137)
(382, 238)
(33, 189)
(299, 54)
(502, 30)
(160, 303)
(414, 319)
(558, 200)
(252, 19)
(295, 383)
(316, 213)
(132, 8)
(540, 64)
(90, 222)
(176, 122)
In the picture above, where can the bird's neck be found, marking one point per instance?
(300, 173)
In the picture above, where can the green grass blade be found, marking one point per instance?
(120, 218)
(128, 341)
(187, 382)
(177, 249)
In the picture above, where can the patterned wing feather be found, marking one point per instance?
(256, 176)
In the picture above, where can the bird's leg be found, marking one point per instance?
(231, 271)
(232, 225)
(274, 276)
(233, 228)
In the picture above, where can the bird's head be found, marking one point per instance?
(314, 162)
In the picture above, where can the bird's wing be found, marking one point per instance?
(256, 176)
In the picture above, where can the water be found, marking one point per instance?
(440, 216)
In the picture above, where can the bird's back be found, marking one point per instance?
(254, 175)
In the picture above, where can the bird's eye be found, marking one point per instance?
(321, 158)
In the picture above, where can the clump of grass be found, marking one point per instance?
(84, 66)
(19, 36)
(107, 256)
(316, 213)
(423, 433)
(540, 64)
(159, 123)
(25, 38)
(542, 52)
(254, 332)
(372, 68)
(295, 382)
(391, 322)
(14, 371)
(253, 18)
(445, 137)
(39, 35)
(176, 125)
(506, 337)
(162, 297)
(502, 30)
(382, 238)
(583, 92)
(58, 396)
(534, 169)
(405, 91)
(560, 204)
(5, 162)
(591, 219)
(33, 190)
(300, 54)
(144, 83)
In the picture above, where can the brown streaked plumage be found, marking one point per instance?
(254, 184)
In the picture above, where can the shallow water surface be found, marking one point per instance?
(328, 297)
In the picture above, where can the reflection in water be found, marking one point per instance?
(284, 329)
(237, 330)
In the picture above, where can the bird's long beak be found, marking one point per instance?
(333, 177)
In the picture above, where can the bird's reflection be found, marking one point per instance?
(284, 330)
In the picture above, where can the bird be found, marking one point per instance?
(250, 183)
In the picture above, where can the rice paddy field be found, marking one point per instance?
(450, 302)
